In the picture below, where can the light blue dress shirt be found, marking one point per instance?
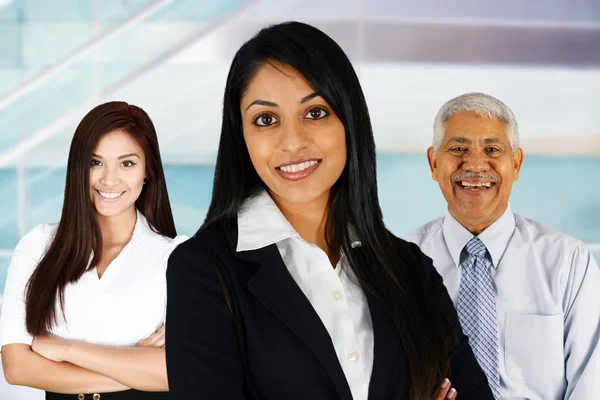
(547, 287)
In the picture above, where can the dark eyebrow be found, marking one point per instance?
(120, 158)
(129, 155)
(309, 97)
(259, 102)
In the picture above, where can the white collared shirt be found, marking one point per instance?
(123, 307)
(333, 293)
(547, 303)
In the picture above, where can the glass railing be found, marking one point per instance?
(106, 65)
(36, 34)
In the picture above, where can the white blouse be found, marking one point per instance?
(339, 302)
(123, 307)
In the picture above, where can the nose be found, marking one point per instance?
(293, 138)
(475, 160)
(110, 176)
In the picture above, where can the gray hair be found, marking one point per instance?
(481, 104)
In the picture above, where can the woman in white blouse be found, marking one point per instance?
(85, 299)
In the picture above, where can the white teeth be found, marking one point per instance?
(485, 184)
(110, 195)
(298, 167)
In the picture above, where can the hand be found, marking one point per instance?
(445, 392)
(157, 339)
(51, 347)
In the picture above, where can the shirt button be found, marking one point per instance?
(352, 355)
(96, 396)
(337, 295)
(81, 396)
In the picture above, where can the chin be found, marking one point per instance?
(300, 196)
(108, 213)
(111, 212)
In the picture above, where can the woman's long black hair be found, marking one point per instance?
(392, 278)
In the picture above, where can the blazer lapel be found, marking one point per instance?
(277, 291)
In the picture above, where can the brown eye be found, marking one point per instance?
(316, 113)
(265, 120)
(95, 163)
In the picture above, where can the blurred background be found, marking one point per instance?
(60, 58)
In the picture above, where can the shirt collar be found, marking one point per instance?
(261, 224)
(495, 237)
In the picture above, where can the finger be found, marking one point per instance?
(156, 340)
(158, 337)
(442, 390)
(160, 334)
(451, 394)
(146, 342)
(161, 337)
(159, 341)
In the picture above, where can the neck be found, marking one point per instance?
(309, 221)
(475, 229)
(476, 226)
(119, 228)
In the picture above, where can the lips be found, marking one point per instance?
(110, 195)
(475, 187)
(298, 167)
(297, 170)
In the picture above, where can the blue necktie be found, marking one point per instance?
(476, 307)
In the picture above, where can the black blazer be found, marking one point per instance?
(275, 345)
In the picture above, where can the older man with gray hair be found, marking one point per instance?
(527, 296)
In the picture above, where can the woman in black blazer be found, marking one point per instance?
(293, 288)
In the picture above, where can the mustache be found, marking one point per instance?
(474, 175)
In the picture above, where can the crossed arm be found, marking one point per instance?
(58, 365)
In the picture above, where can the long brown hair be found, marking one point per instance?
(78, 235)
